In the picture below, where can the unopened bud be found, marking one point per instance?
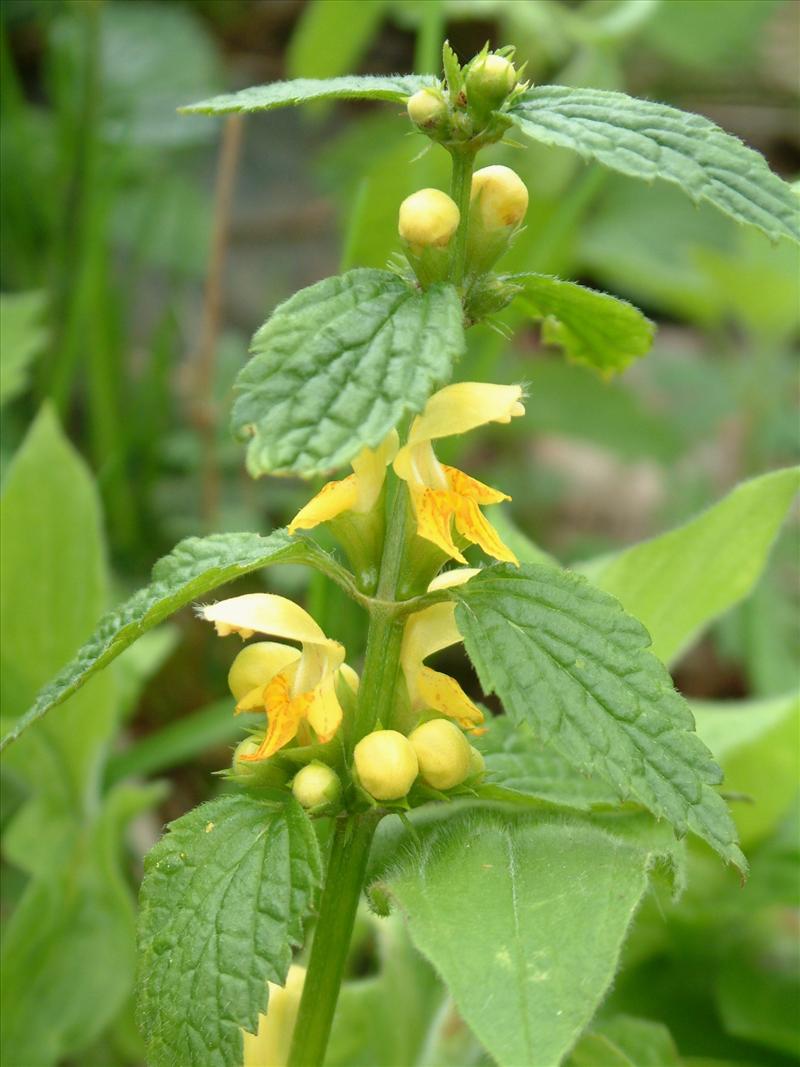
(258, 664)
(316, 785)
(490, 79)
(386, 764)
(428, 219)
(443, 753)
(499, 198)
(427, 109)
(248, 747)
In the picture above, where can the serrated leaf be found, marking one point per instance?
(676, 584)
(194, 567)
(397, 87)
(224, 899)
(565, 658)
(647, 140)
(594, 328)
(524, 919)
(516, 760)
(338, 364)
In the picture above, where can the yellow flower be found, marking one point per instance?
(429, 631)
(291, 686)
(442, 495)
(269, 1047)
(357, 492)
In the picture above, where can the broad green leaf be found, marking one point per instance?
(626, 1041)
(194, 567)
(22, 337)
(53, 589)
(593, 328)
(647, 140)
(338, 364)
(565, 658)
(223, 902)
(524, 919)
(69, 947)
(755, 742)
(395, 88)
(329, 39)
(516, 760)
(676, 584)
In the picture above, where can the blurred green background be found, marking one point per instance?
(139, 252)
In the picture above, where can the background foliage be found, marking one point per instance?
(127, 307)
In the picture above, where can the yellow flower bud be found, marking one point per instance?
(258, 664)
(443, 753)
(490, 79)
(477, 764)
(386, 764)
(428, 218)
(498, 198)
(316, 785)
(427, 108)
(248, 747)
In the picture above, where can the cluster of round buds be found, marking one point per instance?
(466, 109)
(387, 763)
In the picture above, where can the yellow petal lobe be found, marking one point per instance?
(444, 694)
(332, 499)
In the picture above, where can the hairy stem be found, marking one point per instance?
(460, 189)
(346, 871)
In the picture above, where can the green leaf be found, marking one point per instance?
(69, 947)
(194, 567)
(647, 140)
(627, 1042)
(755, 742)
(396, 88)
(338, 364)
(524, 919)
(593, 328)
(676, 584)
(22, 337)
(516, 760)
(224, 899)
(53, 589)
(565, 658)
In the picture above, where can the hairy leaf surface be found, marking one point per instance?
(524, 918)
(647, 140)
(564, 657)
(396, 87)
(338, 364)
(678, 582)
(594, 328)
(194, 567)
(224, 898)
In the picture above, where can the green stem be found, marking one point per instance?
(460, 189)
(346, 871)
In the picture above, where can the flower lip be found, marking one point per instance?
(264, 613)
(464, 406)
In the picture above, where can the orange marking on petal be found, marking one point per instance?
(284, 715)
(435, 509)
(473, 525)
(472, 489)
(443, 693)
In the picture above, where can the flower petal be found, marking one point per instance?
(472, 489)
(428, 631)
(285, 715)
(463, 406)
(370, 471)
(264, 613)
(456, 576)
(434, 510)
(473, 524)
(324, 711)
(443, 693)
(332, 499)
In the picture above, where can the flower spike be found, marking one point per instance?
(443, 496)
